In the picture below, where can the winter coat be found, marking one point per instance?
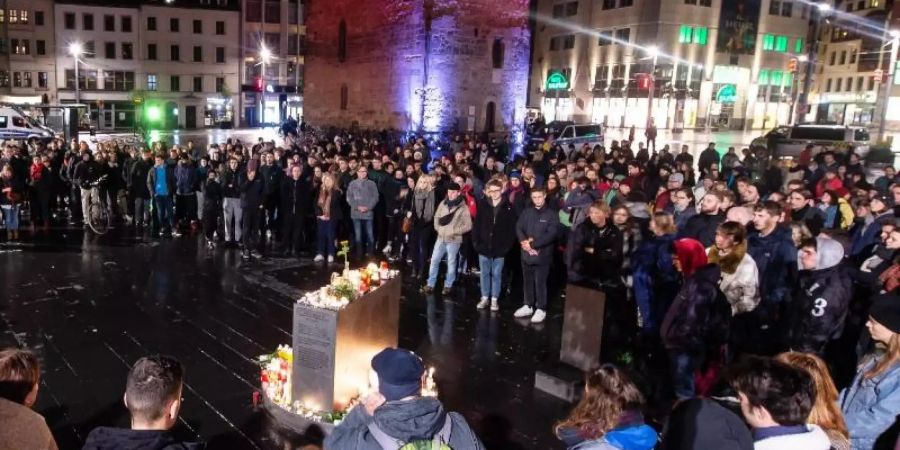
(705, 424)
(604, 263)
(185, 177)
(459, 225)
(699, 315)
(231, 183)
(707, 158)
(702, 227)
(417, 419)
(334, 209)
(272, 177)
(741, 287)
(87, 172)
(813, 218)
(491, 236)
(422, 207)
(813, 439)
(362, 193)
(170, 180)
(23, 428)
(295, 197)
(541, 226)
(106, 438)
(137, 178)
(640, 437)
(212, 197)
(682, 218)
(819, 305)
(655, 280)
(252, 192)
(870, 407)
(776, 260)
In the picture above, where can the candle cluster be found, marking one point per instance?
(346, 288)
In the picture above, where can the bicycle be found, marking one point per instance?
(98, 215)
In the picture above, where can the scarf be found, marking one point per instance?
(515, 191)
(423, 205)
(730, 262)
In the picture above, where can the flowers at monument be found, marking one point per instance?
(275, 375)
(349, 286)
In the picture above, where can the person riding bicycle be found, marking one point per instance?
(87, 173)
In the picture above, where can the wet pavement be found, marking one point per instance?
(90, 306)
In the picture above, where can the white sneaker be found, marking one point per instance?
(524, 311)
(387, 249)
(319, 258)
(494, 305)
(330, 259)
(539, 316)
(483, 303)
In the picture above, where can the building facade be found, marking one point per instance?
(718, 63)
(27, 52)
(149, 64)
(424, 66)
(277, 27)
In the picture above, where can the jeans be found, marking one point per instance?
(251, 223)
(682, 365)
(141, 211)
(11, 217)
(441, 248)
(325, 235)
(165, 212)
(491, 273)
(358, 225)
(86, 197)
(233, 219)
(534, 288)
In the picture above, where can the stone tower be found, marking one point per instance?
(418, 65)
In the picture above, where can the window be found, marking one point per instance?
(776, 77)
(151, 52)
(831, 58)
(859, 83)
(623, 34)
(606, 37)
(220, 27)
(126, 24)
(220, 84)
(69, 21)
(87, 21)
(198, 53)
(13, 16)
(40, 47)
(174, 24)
(109, 23)
(849, 85)
(20, 46)
(768, 42)
(798, 45)
(787, 8)
(175, 53)
(42, 80)
(127, 50)
(119, 81)
(3, 47)
(198, 84)
(174, 83)
(220, 54)
(626, 3)
(700, 35)
(781, 44)
(690, 2)
(23, 19)
(87, 79)
(4, 82)
(26, 79)
(198, 26)
(843, 57)
(569, 42)
(342, 41)
(151, 82)
(837, 84)
(828, 85)
(705, 2)
(559, 10)
(151, 23)
(497, 53)
(110, 50)
(609, 4)
(871, 83)
(39, 21)
(2, 15)
(344, 99)
(684, 34)
(90, 50)
(853, 56)
(17, 79)
(775, 7)
(572, 9)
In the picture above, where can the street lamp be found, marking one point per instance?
(75, 49)
(652, 52)
(264, 55)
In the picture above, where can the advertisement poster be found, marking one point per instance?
(738, 26)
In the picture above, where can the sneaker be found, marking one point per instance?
(387, 249)
(427, 289)
(330, 259)
(483, 303)
(320, 258)
(447, 290)
(539, 316)
(524, 311)
(494, 305)
(176, 233)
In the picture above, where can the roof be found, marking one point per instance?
(230, 5)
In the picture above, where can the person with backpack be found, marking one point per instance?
(398, 416)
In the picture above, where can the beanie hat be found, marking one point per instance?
(884, 198)
(886, 311)
(399, 373)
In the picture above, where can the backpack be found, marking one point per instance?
(440, 440)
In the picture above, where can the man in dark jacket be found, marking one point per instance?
(803, 210)
(536, 228)
(231, 205)
(398, 414)
(707, 158)
(821, 298)
(492, 240)
(153, 398)
(702, 226)
(596, 249)
(773, 250)
(87, 172)
(295, 195)
(161, 183)
(273, 175)
(137, 186)
(253, 192)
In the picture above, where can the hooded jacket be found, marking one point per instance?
(820, 302)
(699, 315)
(416, 419)
(106, 438)
(491, 234)
(776, 259)
(640, 437)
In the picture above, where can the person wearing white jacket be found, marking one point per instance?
(740, 277)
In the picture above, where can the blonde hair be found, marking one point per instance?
(665, 223)
(608, 393)
(891, 357)
(825, 412)
(425, 182)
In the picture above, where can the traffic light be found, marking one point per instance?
(644, 81)
(259, 84)
(792, 65)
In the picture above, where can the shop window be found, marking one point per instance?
(700, 35)
(768, 42)
(342, 41)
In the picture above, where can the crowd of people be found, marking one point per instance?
(771, 279)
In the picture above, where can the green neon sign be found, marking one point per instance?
(557, 81)
(727, 94)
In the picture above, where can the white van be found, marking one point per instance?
(578, 135)
(789, 141)
(16, 125)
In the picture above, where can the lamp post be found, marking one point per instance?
(264, 55)
(889, 73)
(75, 49)
(818, 13)
(653, 52)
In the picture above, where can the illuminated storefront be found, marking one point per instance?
(219, 113)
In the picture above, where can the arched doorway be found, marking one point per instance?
(490, 113)
(171, 111)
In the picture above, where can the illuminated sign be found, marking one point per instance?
(727, 94)
(557, 81)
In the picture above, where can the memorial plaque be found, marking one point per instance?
(333, 349)
(582, 327)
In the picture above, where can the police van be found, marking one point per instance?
(578, 135)
(16, 125)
